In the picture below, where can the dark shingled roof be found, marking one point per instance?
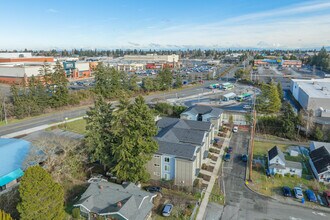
(321, 159)
(274, 152)
(185, 151)
(180, 137)
(202, 109)
(103, 197)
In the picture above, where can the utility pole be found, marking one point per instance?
(253, 130)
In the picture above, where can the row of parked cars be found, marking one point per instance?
(298, 193)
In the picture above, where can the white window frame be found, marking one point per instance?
(167, 176)
(156, 173)
(156, 156)
(166, 158)
(169, 168)
(156, 165)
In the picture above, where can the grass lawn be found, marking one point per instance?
(78, 126)
(183, 204)
(261, 148)
(271, 186)
(216, 194)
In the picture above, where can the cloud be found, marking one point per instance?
(134, 44)
(52, 10)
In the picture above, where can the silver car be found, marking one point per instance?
(167, 210)
(298, 192)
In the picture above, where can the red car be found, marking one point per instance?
(326, 195)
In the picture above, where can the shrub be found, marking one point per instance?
(287, 175)
(295, 176)
(278, 175)
(76, 213)
(204, 166)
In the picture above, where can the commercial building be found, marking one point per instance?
(278, 61)
(74, 69)
(312, 95)
(23, 57)
(183, 148)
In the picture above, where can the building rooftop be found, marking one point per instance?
(321, 159)
(126, 200)
(203, 109)
(13, 152)
(316, 88)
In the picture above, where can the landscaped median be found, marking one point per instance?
(272, 186)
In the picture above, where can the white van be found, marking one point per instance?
(235, 129)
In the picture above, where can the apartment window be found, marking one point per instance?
(156, 173)
(167, 176)
(167, 168)
(156, 156)
(156, 165)
(167, 159)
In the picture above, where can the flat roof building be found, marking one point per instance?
(312, 94)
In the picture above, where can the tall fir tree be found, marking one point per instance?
(58, 86)
(134, 128)
(41, 197)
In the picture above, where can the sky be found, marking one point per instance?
(156, 24)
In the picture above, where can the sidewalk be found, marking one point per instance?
(214, 175)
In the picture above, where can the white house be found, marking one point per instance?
(278, 164)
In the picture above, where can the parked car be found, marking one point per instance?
(287, 191)
(229, 150)
(244, 158)
(227, 157)
(298, 193)
(167, 210)
(154, 189)
(311, 196)
(326, 195)
(235, 129)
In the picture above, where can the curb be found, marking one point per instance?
(324, 209)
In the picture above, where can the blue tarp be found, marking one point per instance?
(11, 176)
(12, 155)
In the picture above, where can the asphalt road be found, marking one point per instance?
(81, 111)
(241, 203)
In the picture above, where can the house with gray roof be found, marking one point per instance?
(183, 148)
(277, 164)
(114, 201)
(204, 113)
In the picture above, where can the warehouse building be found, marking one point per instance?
(153, 58)
(312, 94)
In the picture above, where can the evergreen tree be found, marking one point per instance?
(280, 90)
(5, 216)
(133, 86)
(99, 136)
(147, 84)
(269, 100)
(318, 134)
(134, 128)
(178, 81)
(164, 78)
(289, 121)
(41, 197)
(59, 87)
